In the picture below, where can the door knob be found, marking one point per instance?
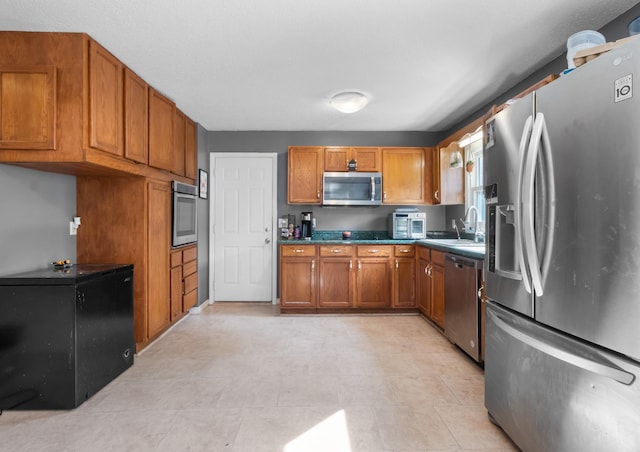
(267, 240)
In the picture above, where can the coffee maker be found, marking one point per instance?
(307, 225)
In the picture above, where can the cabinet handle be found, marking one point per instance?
(313, 265)
(336, 250)
(384, 196)
(359, 265)
(436, 195)
(396, 264)
(426, 270)
(298, 250)
(404, 251)
(480, 292)
(373, 251)
(350, 265)
(318, 195)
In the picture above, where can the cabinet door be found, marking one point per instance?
(367, 158)
(335, 282)
(27, 107)
(373, 285)
(437, 295)
(336, 158)
(159, 238)
(179, 143)
(404, 282)
(105, 100)
(161, 141)
(403, 171)
(305, 175)
(451, 179)
(298, 282)
(424, 286)
(136, 117)
(190, 149)
(176, 292)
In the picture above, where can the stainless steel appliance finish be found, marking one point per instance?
(563, 209)
(307, 225)
(351, 189)
(185, 214)
(461, 303)
(407, 223)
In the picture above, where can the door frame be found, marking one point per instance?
(274, 216)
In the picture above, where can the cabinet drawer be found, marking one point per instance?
(298, 250)
(336, 250)
(189, 300)
(189, 268)
(424, 253)
(404, 250)
(190, 283)
(189, 254)
(374, 251)
(437, 258)
(176, 258)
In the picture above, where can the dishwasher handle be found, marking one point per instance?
(460, 261)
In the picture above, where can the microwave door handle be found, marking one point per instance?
(373, 188)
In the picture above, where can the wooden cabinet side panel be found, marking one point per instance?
(176, 293)
(159, 213)
(437, 295)
(122, 238)
(136, 118)
(105, 100)
(179, 144)
(161, 130)
(191, 149)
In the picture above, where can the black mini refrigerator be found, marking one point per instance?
(64, 334)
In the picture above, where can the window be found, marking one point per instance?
(474, 164)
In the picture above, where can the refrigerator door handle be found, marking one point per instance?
(539, 138)
(519, 248)
(528, 204)
(605, 369)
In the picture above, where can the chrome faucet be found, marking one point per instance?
(467, 222)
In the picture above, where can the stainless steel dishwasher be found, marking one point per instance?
(461, 321)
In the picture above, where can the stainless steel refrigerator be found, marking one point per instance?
(562, 268)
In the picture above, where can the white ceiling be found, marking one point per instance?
(274, 64)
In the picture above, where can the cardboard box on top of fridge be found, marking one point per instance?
(585, 55)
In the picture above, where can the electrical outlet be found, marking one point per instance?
(453, 223)
(73, 229)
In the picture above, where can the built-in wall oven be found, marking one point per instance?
(184, 213)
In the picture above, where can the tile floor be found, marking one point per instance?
(239, 377)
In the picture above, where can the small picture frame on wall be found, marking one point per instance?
(203, 184)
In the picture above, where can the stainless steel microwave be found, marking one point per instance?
(351, 189)
(184, 213)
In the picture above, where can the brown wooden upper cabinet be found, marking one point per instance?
(406, 176)
(367, 159)
(68, 105)
(136, 118)
(162, 112)
(105, 122)
(305, 175)
(449, 181)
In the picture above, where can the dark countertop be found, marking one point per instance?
(62, 276)
(382, 238)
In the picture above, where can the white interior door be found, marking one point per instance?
(243, 215)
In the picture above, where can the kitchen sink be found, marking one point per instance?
(457, 243)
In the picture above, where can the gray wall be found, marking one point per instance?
(203, 222)
(34, 224)
(328, 218)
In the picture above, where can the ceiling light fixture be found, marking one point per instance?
(349, 101)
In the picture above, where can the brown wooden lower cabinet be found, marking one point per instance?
(298, 276)
(336, 277)
(404, 277)
(184, 281)
(430, 282)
